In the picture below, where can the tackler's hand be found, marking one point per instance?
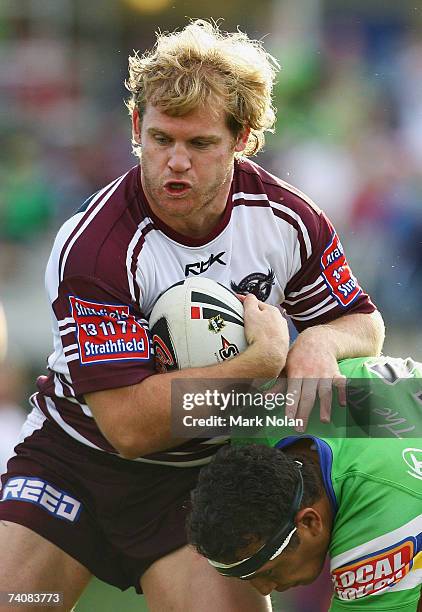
(312, 372)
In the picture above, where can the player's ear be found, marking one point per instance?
(309, 522)
(136, 126)
(242, 140)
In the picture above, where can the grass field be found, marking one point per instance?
(101, 597)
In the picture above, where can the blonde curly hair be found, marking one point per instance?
(202, 65)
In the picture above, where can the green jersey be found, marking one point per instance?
(384, 400)
(374, 485)
(375, 491)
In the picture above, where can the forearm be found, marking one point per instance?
(354, 335)
(137, 419)
(157, 390)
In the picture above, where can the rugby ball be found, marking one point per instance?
(195, 323)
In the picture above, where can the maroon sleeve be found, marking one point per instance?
(106, 341)
(324, 288)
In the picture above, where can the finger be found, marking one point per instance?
(250, 300)
(260, 305)
(294, 386)
(325, 394)
(250, 305)
(306, 402)
(340, 383)
(264, 306)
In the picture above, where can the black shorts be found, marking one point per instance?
(114, 516)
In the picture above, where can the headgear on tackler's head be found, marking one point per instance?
(244, 568)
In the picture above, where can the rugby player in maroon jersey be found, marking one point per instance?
(98, 484)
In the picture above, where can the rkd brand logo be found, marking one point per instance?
(202, 266)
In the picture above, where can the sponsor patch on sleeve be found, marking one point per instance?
(374, 573)
(337, 273)
(108, 332)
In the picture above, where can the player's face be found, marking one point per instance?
(187, 166)
(297, 566)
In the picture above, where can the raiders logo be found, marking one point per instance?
(257, 283)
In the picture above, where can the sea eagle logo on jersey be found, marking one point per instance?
(257, 283)
(337, 273)
(107, 332)
(229, 349)
(373, 573)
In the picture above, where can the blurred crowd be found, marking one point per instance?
(349, 134)
(349, 130)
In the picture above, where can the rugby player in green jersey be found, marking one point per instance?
(271, 514)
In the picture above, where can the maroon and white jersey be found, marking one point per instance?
(113, 258)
